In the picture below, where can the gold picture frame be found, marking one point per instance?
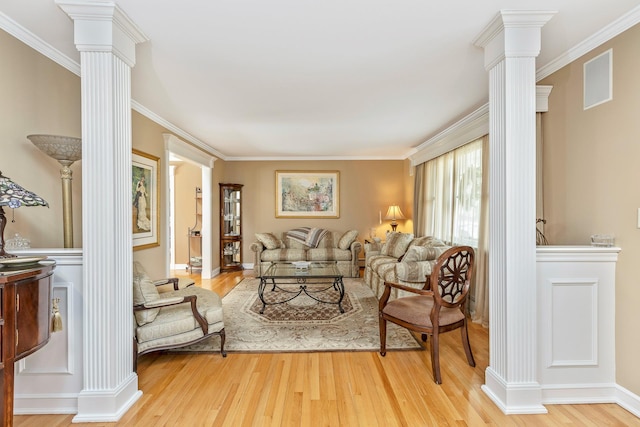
(307, 194)
(145, 191)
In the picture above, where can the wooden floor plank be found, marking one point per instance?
(326, 389)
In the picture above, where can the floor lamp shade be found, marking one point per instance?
(65, 150)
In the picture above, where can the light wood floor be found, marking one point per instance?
(327, 389)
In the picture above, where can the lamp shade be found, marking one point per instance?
(14, 196)
(394, 213)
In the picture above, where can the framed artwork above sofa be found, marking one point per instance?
(307, 194)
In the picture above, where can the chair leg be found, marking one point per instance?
(467, 345)
(383, 336)
(222, 337)
(435, 358)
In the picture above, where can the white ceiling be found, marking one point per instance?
(316, 79)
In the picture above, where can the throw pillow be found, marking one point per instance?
(396, 244)
(427, 241)
(415, 253)
(268, 240)
(347, 239)
(144, 291)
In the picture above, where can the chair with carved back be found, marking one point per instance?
(440, 306)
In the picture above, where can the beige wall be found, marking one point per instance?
(147, 136)
(366, 188)
(592, 179)
(37, 96)
(187, 177)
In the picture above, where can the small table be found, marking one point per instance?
(317, 275)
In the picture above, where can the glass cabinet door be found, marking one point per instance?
(230, 227)
(231, 212)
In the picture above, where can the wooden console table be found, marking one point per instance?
(25, 320)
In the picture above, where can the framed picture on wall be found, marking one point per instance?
(307, 194)
(145, 193)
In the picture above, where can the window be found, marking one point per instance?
(453, 195)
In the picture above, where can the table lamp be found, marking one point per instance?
(394, 213)
(14, 196)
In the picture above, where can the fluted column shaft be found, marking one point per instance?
(511, 43)
(106, 40)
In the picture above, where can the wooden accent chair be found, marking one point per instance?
(433, 311)
(176, 318)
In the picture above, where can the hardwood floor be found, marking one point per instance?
(327, 389)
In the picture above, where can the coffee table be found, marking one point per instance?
(317, 277)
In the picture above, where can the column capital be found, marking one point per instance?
(512, 33)
(101, 26)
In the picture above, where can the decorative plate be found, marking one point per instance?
(21, 261)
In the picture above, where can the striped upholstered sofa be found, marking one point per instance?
(341, 247)
(401, 259)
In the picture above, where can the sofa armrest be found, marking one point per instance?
(355, 248)
(257, 248)
(413, 271)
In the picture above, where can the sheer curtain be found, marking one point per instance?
(438, 206)
(451, 203)
(451, 185)
(480, 309)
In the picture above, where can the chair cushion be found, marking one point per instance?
(416, 310)
(396, 244)
(144, 291)
(268, 240)
(347, 239)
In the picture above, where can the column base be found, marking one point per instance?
(514, 398)
(107, 405)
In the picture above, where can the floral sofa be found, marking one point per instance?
(401, 259)
(333, 246)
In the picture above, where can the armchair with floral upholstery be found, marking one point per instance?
(176, 318)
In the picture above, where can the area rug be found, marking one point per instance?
(303, 324)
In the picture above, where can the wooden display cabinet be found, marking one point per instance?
(25, 320)
(230, 227)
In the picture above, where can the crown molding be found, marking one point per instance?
(37, 44)
(471, 127)
(617, 27)
(313, 158)
(175, 129)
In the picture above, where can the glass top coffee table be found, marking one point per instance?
(289, 281)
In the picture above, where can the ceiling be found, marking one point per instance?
(330, 79)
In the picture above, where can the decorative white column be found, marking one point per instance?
(511, 43)
(106, 39)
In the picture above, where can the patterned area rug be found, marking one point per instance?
(304, 324)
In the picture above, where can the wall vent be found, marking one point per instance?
(598, 80)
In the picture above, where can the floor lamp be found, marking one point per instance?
(65, 150)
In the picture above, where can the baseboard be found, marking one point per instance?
(572, 394)
(628, 400)
(41, 404)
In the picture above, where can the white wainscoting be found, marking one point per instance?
(576, 324)
(49, 380)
